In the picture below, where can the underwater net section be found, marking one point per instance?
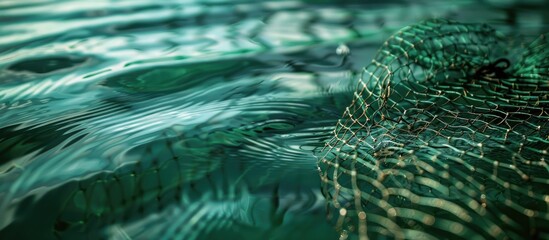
(447, 137)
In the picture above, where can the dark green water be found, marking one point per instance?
(188, 119)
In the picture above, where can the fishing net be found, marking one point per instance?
(445, 138)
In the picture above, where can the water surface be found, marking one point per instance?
(187, 119)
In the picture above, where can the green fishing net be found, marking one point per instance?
(447, 137)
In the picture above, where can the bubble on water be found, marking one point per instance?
(343, 50)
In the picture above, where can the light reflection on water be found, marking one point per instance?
(183, 119)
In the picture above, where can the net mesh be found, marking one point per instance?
(444, 139)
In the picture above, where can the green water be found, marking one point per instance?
(188, 119)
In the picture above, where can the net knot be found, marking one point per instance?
(494, 70)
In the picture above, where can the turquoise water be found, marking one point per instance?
(188, 119)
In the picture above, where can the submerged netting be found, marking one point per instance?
(445, 138)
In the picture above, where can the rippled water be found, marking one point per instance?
(187, 119)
